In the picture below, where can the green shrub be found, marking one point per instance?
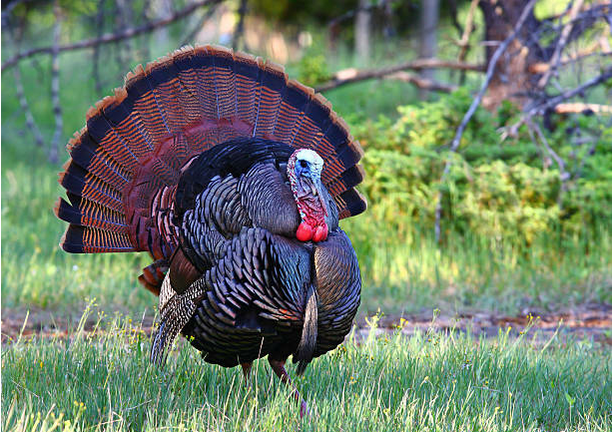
(510, 188)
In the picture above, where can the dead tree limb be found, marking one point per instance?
(422, 83)
(55, 85)
(550, 103)
(581, 107)
(348, 76)
(470, 112)
(109, 37)
(556, 57)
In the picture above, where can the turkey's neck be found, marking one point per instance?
(310, 201)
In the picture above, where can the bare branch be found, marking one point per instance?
(348, 76)
(55, 85)
(110, 37)
(550, 103)
(581, 107)
(422, 83)
(470, 112)
(564, 176)
(556, 57)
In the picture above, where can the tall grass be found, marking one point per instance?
(424, 382)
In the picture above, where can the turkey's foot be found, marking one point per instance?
(278, 366)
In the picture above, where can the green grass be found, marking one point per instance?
(423, 382)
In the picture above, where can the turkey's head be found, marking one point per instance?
(304, 171)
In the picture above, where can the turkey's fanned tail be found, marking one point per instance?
(126, 162)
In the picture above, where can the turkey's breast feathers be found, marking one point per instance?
(237, 228)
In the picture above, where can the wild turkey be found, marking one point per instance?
(234, 179)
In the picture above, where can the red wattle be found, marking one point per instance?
(320, 233)
(304, 232)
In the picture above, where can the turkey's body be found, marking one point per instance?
(200, 160)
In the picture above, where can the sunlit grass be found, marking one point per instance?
(425, 382)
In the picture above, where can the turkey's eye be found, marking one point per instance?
(303, 163)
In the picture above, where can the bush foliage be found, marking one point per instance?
(496, 187)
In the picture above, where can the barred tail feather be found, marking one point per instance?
(138, 141)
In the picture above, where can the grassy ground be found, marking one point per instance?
(425, 382)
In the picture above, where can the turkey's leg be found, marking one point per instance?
(278, 366)
(246, 371)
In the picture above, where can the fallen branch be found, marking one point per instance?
(581, 107)
(348, 76)
(470, 112)
(422, 83)
(110, 37)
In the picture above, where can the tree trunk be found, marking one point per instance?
(430, 12)
(512, 79)
(362, 32)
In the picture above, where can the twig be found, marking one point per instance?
(470, 112)
(556, 57)
(564, 176)
(352, 75)
(465, 37)
(109, 37)
(423, 83)
(55, 84)
(238, 32)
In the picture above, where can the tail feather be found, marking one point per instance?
(138, 141)
(308, 341)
